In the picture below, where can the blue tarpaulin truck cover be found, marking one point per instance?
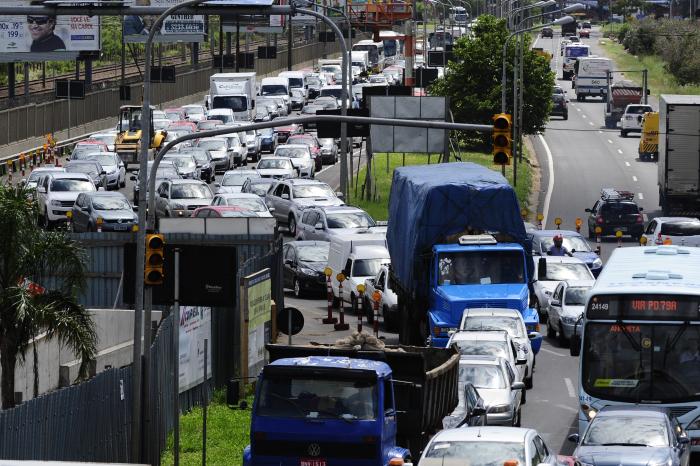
(429, 203)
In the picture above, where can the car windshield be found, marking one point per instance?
(275, 163)
(680, 228)
(274, 89)
(103, 159)
(576, 52)
(166, 173)
(89, 169)
(567, 271)
(310, 397)
(313, 190)
(212, 144)
(367, 267)
(311, 109)
(478, 453)
(377, 79)
(237, 179)
(482, 348)
(253, 204)
(474, 268)
(293, 153)
(194, 111)
(571, 243)
(350, 220)
(110, 203)
(482, 375)
(266, 132)
(330, 68)
(68, 184)
(199, 155)
(190, 191)
(106, 138)
(337, 92)
(313, 253)
(259, 188)
(211, 124)
(511, 324)
(576, 295)
(313, 82)
(638, 110)
(182, 162)
(627, 430)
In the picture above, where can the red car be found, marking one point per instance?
(221, 211)
(585, 33)
(283, 132)
(206, 125)
(183, 125)
(314, 147)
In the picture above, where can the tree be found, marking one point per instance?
(26, 254)
(473, 79)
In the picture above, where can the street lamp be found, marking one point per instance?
(540, 4)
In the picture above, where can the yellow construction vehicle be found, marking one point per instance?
(128, 141)
(649, 142)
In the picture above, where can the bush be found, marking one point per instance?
(677, 43)
(640, 37)
(622, 32)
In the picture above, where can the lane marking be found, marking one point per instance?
(609, 140)
(619, 151)
(568, 408)
(627, 163)
(583, 116)
(578, 109)
(552, 352)
(550, 180)
(640, 196)
(590, 122)
(600, 132)
(570, 387)
(634, 178)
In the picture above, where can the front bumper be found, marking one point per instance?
(220, 164)
(499, 419)
(112, 179)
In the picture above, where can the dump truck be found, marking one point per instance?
(457, 241)
(127, 144)
(649, 141)
(324, 405)
(619, 95)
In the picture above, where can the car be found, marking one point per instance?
(314, 146)
(102, 210)
(290, 197)
(36, 174)
(314, 84)
(298, 98)
(183, 126)
(195, 112)
(206, 125)
(585, 33)
(300, 155)
(683, 231)
(258, 186)
(161, 124)
(573, 241)
(233, 180)
(283, 132)
(262, 113)
(563, 44)
(236, 148)
(219, 151)
(87, 146)
(329, 151)
(586, 25)
(173, 134)
(166, 171)
(108, 138)
(56, 194)
(158, 114)
(245, 201)
(560, 106)
(276, 167)
(615, 211)
(92, 168)
(487, 446)
(273, 105)
(220, 212)
(574, 39)
(175, 114)
(378, 80)
(204, 162)
(549, 271)
(113, 166)
(547, 32)
(225, 115)
(566, 308)
(310, 110)
(470, 410)
(185, 165)
(388, 305)
(252, 144)
(631, 120)
(179, 198)
(325, 222)
(268, 140)
(327, 103)
(633, 435)
(304, 265)
(512, 322)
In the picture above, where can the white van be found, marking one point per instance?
(359, 257)
(276, 87)
(295, 80)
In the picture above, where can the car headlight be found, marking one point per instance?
(56, 203)
(499, 409)
(589, 411)
(569, 320)
(597, 264)
(306, 271)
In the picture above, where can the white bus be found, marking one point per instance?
(376, 53)
(639, 337)
(459, 15)
(571, 53)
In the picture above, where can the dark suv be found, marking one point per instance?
(559, 106)
(547, 32)
(616, 211)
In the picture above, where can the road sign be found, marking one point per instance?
(69, 89)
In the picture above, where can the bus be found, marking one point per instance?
(376, 53)
(572, 52)
(639, 336)
(459, 15)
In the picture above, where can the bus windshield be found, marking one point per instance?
(576, 52)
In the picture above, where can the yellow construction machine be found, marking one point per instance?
(128, 141)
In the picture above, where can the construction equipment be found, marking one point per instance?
(128, 140)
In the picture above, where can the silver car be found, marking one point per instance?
(233, 180)
(301, 158)
(566, 307)
(113, 166)
(219, 150)
(179, 198)
(325, 223)
(246, 201)
(107, 211)
(276, 167)
(185, 164)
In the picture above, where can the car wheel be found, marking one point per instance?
(298, 292)
(563, 342)
(292, 225)
(518, 418)
(551, 331)
(529, 382)
(122, 183)
(566, 116)
(523, 400)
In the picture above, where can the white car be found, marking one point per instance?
(236, 148)
(388, 305)
(56, 194)
(113, 166)
(300, 154)
(549, 271)
(246, 201)
(631, 120)
(566, 307)
(681, 231)
(36, 174)
(195, 112)
(512, 322)
(225, 115)
(107, 137)
(233, 180)
(276, 167)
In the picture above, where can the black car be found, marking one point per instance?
(547, 32)
(559, 106)
(203, 160)
(304, 263)
(616, 211)
(268, 140)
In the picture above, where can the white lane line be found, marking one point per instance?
(627, 163)
(570, 387)
(640, 196)
(568, 408)
(619, 151)
(599, 131)
(552, 352)
(590, 122)
(550, 180)
(634, 178)
(578, 109)
(610, 141)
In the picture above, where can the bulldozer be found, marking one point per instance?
(128, 140)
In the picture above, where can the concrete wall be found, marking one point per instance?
(58, 365)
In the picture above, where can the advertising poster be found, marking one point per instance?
(175, 28)
(258, 299)
(195, 327)
(45, 34)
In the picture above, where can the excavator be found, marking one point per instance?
(128, 140)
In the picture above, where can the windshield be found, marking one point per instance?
(67, 184)
(337, 92)
(313, 82)
(296, 82)
(190, 191)
(619, 208)
(314, 190)
(576, 295)
(511, 324)
(372, 49)
(474, 268)
(330, 68)
(103, 159)
(110, 203)
(571, 243)
(650, 363)
(294, 153)
(317, 398)
(567, 271)
(313, 253)
(367, 267)
(482, 348)
(237, 179)
(221, 118)
(680, 228)
(237, 103)
(482, 376)
(576, 52)
(627, 430)
(199, 155)
(182, 162)
(259, 188)
(165, 173)
(253, 204)
(275, 163)
(638, 109)
(212, 144)
(350, 220)
(81, 168)
(273, 89)
(478, 453)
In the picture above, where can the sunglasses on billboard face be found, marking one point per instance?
(40, 21)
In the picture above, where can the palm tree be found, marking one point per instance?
(27, 256)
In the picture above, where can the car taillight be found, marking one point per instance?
(599, 219)
(640, 219)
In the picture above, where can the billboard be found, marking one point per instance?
(47, 34)
(256, 302)
(195, 327)
(175, 28)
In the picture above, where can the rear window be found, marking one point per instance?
(620, 208)
(639, 110)
(680, 228)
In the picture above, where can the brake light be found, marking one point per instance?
(658, 239)
(599, 219)
(640, 219)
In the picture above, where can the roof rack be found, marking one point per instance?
(612, 194)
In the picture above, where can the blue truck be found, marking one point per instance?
(320, 405)
(457, 241)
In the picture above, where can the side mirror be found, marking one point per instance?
(217, 185)
(534, 335)
(588, 210)
(520, 362)
(41, 189)
(555, 302)
(683, 439)
(478, 411)
(103, 173)
(518, 386)
(164, 195)
(289, 262)
(573, 438)
(340, 195)
(271, 209)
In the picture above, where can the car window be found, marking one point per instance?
(535, 456)
(285, 189)
(651, 227)
(576, 295)
(541, 448)
(567, 271)
(472, 398)
(291, 255)
(305, 218)
(619, 208)
(511, 374)
(313, 218)
(680, 228)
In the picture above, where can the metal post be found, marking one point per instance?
(205, 402)
(221, 44)
(69, 115)
(521, 74)
(11, 80)
(645, 89)
(289, 328)
(290, 43)
(122, 55)
(176, 363)
(238, 45)
(26, 79)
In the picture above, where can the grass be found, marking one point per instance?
(660, 80)
(378, 207)
(228, 432)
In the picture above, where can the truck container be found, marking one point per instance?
(679, 153)
(620, 94)
(235, 91)
(441, 264)
(304, 398)
(569, 29)
(360, 58)
(592, 77)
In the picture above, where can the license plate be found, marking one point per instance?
(312, 462)
(621, 229)
(120, 227)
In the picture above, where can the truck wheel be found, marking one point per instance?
(623, 133)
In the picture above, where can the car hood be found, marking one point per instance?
(127, 215)
(197, 201)
(318, 201)
(267, 172)
(229, 189)
(621, 455)
(495, 396)
(65, 195)
(110, 168)
(315, 266)
(218, 154)
(301, 162)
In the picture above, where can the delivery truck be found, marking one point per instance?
(235, 91)
(591, 77)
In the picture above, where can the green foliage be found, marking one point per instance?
(473, 79)
(640, 38)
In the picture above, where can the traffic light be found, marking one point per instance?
(501, 138)
(155, 260)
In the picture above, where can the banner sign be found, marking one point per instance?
(175, 28)
(195, 327)
(43, 34)
(257, 301)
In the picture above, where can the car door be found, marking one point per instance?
(274, 198)
(534, 454)
(289, 265)
(555, 306)
(78, 213)
(284, 202)
(42, 193)
(650, 232)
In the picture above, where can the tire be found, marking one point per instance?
(518, 419)
(551, 331)
(123, 183)
(566, 116)
(562, 340)
(529, 381)
(298, 292)
(523, 399)
(292, 225)
(623, 133)
(45, 222)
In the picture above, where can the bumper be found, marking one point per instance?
(314, 284)
(632, 230)
(112, 179)
(57, 214)
(568, 330)
(220, 164)
(499, 419)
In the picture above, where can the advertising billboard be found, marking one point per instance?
(47, 34)
(195, 327)
(175, 28)
(257, 299)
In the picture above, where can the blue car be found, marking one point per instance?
(542, 240)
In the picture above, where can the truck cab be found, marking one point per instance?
(476, 272)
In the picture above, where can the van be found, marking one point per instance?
(359, 257)
(277, 87)
(295, 80)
